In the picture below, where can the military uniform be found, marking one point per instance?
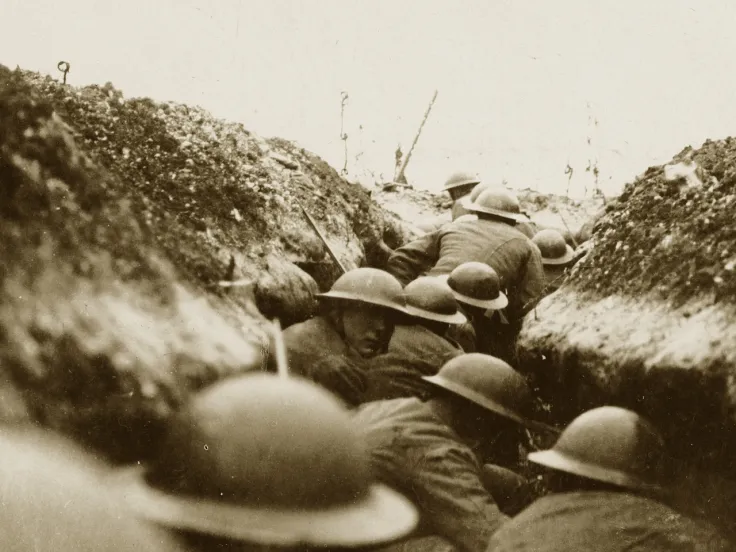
(414, 351)
(413, 451)
(603, 522)
(511, 254)
(317, 351)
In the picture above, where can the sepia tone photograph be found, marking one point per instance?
(367, 275)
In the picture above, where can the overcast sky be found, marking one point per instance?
(520, 84)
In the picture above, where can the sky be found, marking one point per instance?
(524, 88)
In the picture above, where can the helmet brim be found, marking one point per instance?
(500, 302)
(457, 318)
(476, 398)
(560, 461)
(566, 258)
(466, 218)
(380, 517)
(468, 182)
(345, 296)
(513, 217)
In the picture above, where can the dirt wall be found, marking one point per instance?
(119, 221)
(647, 319)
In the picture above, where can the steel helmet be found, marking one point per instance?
(553, 247)
(608, 444)
(432, 299)
(53, 501)
(473, 195)
(460, 207)
(368, 285)
(477, 284)
(488, 382)
(527, 227)
(268, 460)
(498, 202)
(459, 179)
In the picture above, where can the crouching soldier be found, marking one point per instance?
(263, 463)
(557, 257)
(357, 324)
(604, 494)
(420, 344)
(433, 451)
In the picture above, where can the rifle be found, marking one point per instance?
(324, 241)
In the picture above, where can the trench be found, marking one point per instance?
(690, 408)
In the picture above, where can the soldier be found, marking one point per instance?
(259, 462)
(557, 257)
(459, 185)
(461, 213)
(357, 324)
(604, 494)
(433, 451)
(491, 239)
(477, 288)
(420, 345)
(53, 500)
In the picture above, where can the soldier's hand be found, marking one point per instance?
(511, 491)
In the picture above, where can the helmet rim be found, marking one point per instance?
(383, 515)
(561, 461)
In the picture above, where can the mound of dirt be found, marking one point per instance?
(119, 221)
(422, 208)
(647, 319)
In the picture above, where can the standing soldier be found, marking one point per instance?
(459, 185)
(264, 463)
(357, 324)
(604, 494)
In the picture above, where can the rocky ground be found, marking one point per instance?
(646, 320)
(419, 207)
(122, 222)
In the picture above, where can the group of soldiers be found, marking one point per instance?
(398, 427)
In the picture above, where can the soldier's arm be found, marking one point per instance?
(454, 502)
(344, 377)
(532, 283)
(413, 259)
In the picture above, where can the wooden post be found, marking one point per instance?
(278, 341)
(400, 174)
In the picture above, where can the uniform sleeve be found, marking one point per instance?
(533, 282)
(416, 257)
(454, 502)
(464, 336)
(340, 375)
